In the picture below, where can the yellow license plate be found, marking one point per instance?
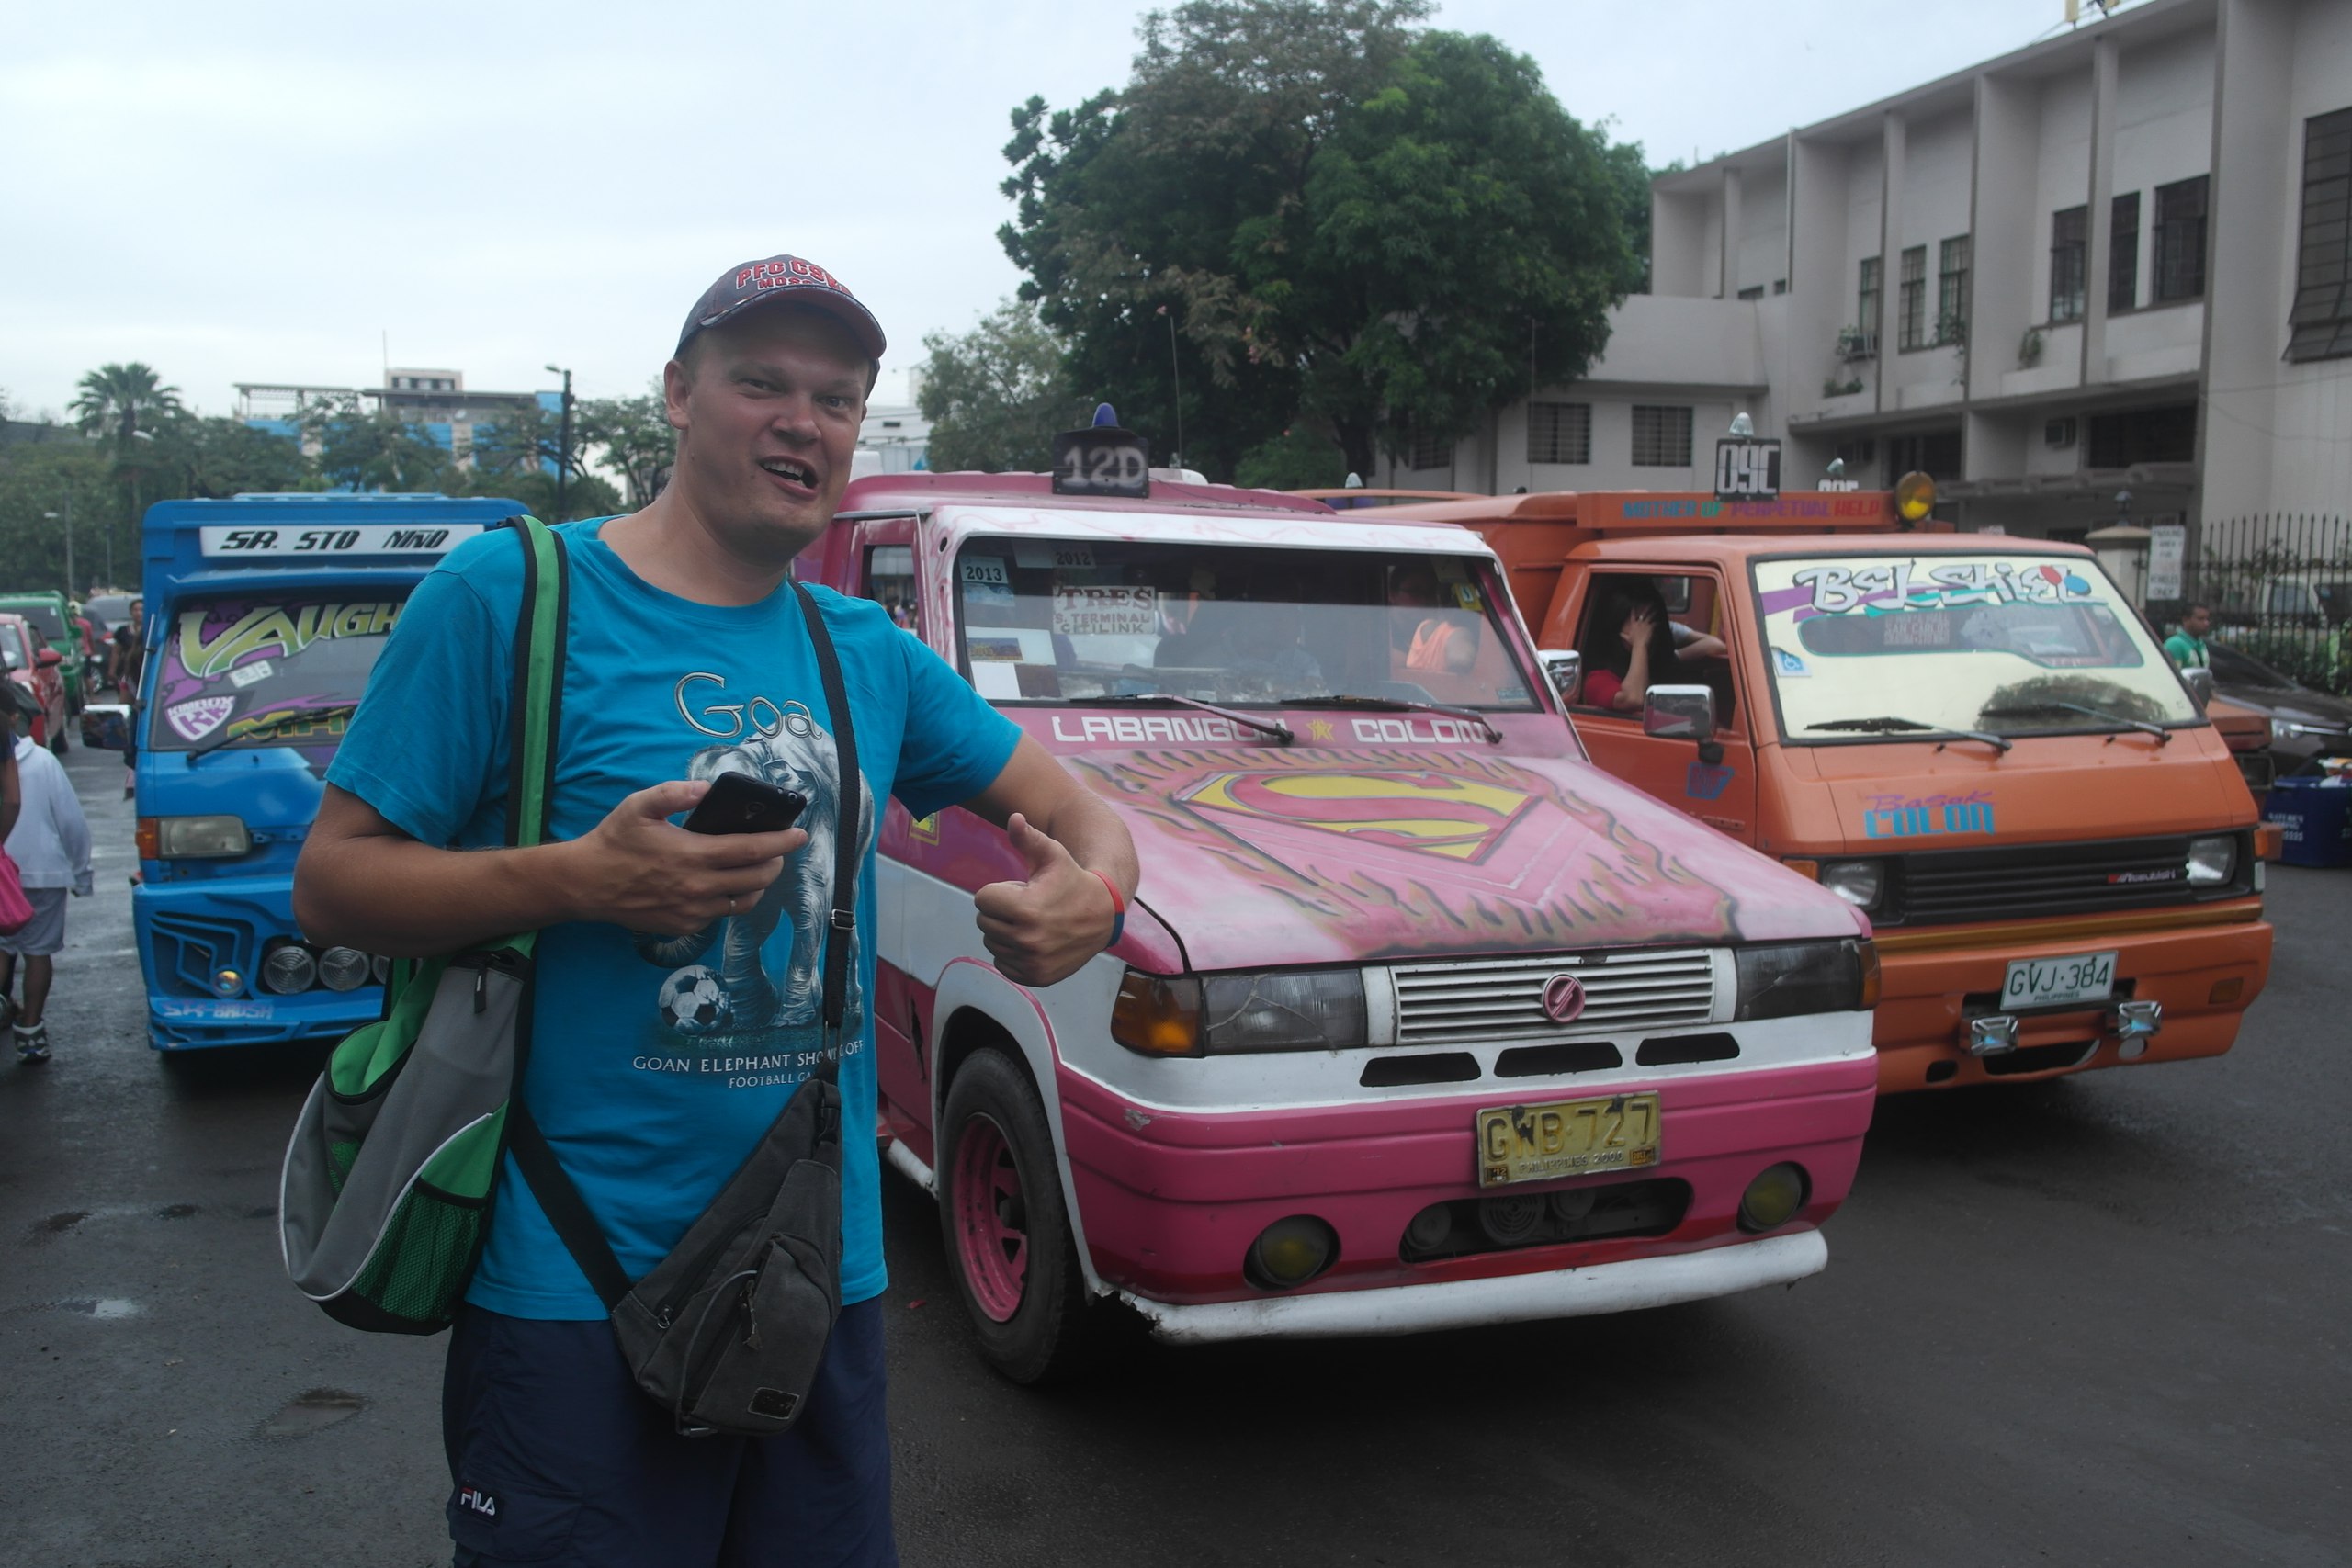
(1566, 1137)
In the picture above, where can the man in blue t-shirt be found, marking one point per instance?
(677, 990)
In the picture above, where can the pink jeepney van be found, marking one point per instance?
(1419, 1019)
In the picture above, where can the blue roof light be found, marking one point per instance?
(1105, 414)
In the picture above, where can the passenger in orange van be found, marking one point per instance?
(1629, 647)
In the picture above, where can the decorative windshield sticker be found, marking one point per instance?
(284, 672)
(1105, 612)
(1890, 587)
(200, 717)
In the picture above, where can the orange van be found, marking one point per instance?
(1971, 738)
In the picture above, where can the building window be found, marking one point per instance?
(1755, 293)
(1780, 286)
(1661, 436)
(1951, 290)
(2180, 240)
(2319, 326)
(1559, 432)
(2068, 232)
(2123, 254)
(1935, 453)
(1427, 451)
(1911, 300)
(1866, 303)
(1860, 457)
(2142, 436)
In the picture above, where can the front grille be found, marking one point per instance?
(1943, 886)
(1503, 999)
(190, 948)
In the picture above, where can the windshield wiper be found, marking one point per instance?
(269, 726)
(1282, 732)
(1890, 725)
(2164, 736)
(1406, 705)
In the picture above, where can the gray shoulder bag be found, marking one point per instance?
(726, 1332)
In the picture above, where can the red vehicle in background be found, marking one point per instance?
(33, 665)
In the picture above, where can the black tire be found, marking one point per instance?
(1054, 1334)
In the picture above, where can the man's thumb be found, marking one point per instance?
(669, 798)
(1039, 850)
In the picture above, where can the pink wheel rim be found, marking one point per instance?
(991, 1219)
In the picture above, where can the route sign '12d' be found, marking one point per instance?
(1103, 461)
(1748, 470)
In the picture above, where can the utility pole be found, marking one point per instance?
(563, 442)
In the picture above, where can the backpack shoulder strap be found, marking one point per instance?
(842, 927)
(534, 705)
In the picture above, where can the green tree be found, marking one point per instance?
(997, 395)
(586, 495)
(120, 403)
(373, 449)
(1301, 458)
(212, 458)
(1378, 227)
(74, 479)
(632, 438)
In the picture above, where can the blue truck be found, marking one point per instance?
(264, 614)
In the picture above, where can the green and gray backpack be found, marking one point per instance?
(385, 1199)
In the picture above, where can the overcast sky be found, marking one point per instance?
(245, 192)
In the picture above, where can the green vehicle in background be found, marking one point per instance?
(55, 621)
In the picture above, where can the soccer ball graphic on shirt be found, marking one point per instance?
(694, 1001)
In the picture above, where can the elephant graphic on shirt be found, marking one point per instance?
(799, 756)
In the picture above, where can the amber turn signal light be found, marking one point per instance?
(1915, 496)
(148, 836)
(1157, 1015)
(1868, 952)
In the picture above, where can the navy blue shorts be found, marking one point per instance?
(555, 1458)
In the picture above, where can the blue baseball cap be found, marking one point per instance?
(784, 278)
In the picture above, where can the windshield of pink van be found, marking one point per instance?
(1999, 643)
(1063, 621)
(258, 670)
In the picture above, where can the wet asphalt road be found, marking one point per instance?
(2103, 1321)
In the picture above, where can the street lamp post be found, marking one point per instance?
(563, 443)
(69, 545)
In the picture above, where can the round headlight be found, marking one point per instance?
(1773, 1198)
(1858, 882)
(382, 968)
(1290, 1252)
(289, 969)
(343, 968)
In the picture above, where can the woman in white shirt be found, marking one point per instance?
(50, 844)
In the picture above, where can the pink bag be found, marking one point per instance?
(15, 909)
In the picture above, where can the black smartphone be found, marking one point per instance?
(738, 803)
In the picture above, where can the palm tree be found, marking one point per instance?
(113, 400)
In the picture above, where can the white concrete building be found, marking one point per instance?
(2115, 259)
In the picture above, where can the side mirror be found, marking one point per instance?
(1680, 713)
(2199, 682)
(1564, 666)
(49, 659)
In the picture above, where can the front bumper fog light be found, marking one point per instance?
(1773, 1198)
(289, 970)
(228, 982)
(1510, 1218)
(343, 968)
(1290, 1252)
(2136, 1023)
(1992, 1035)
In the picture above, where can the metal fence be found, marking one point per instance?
(2279, 585)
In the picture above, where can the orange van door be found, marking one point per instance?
(1717, 782)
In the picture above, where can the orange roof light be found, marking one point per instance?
(1915, 496)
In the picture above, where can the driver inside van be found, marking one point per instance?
(1431, 636)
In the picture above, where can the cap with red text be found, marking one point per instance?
(784, 278)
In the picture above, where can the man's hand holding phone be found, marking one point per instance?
(639, 870)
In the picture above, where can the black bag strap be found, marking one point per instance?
(559, 1200)
(841, 936)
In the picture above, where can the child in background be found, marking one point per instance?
(50, 844)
